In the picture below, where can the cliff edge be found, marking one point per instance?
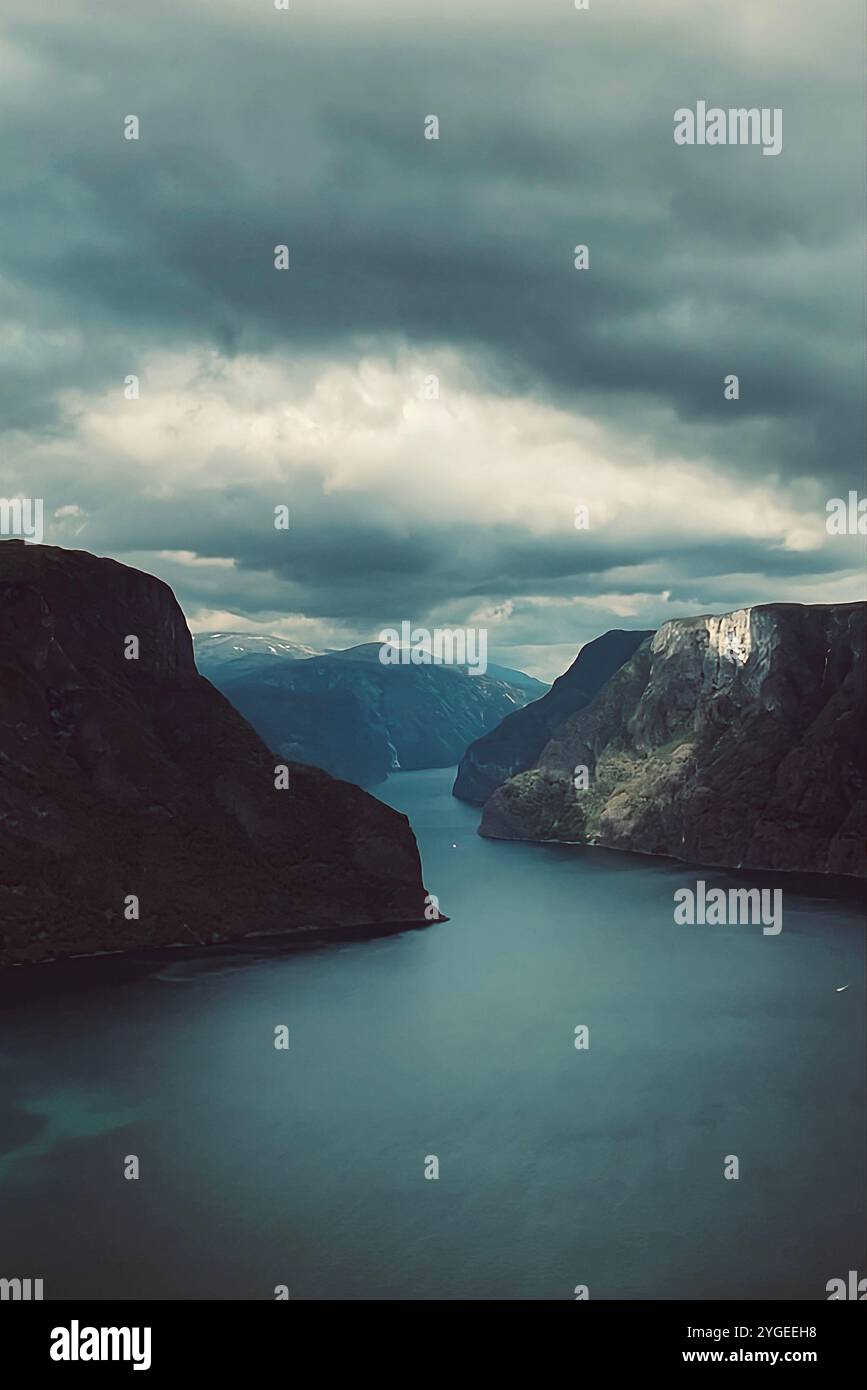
(735, 741)
(128, 778)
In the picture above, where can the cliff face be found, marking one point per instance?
(360, 719)
(730, 741)
(136, 777)
(518, 741)
(328, 730)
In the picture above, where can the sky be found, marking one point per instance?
(411, 259)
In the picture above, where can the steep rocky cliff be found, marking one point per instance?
(732, 741)
(135, 777)
(517, 742)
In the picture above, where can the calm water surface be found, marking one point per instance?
(557, 1167)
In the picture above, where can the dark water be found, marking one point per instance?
(557, 1167)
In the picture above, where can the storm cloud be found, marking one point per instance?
(410, 258)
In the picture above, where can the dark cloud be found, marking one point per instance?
(556, 128)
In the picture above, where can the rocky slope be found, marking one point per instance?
(136, 777)
(516, 743)
(733, 741)
(359, 719)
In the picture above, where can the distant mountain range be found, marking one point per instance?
(736, 741)
(137, 807)
(243, 652)
(347, 712)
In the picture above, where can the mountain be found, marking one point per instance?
(368, 652)
(328, 729)
(123, 777)
(733, 741)
(244, 651)
(535, 688)
(516, 743)
(359, 719)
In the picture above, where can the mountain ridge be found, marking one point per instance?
(360, 719)
(518, 740)
(732, 740)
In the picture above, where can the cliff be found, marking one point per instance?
(516, 743)
(734, 741)
(136, 777)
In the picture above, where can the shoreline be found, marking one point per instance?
(805, 882)
(273, 943)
